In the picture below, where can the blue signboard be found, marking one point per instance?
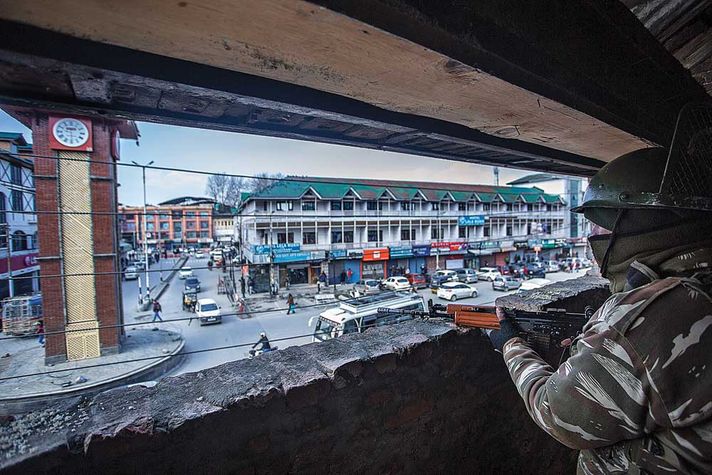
(278, 248)
(400, 251)
(478, 220)
(337, 254)
(421, 251)
(291, 257)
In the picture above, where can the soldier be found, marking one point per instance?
(636, 394)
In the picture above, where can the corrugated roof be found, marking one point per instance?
(14, 136)
(369, 189)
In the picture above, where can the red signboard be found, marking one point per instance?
(18, 262)
(380, 254)
(453, 246)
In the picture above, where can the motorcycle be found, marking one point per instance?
(253, 353)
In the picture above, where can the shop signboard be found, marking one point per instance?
(421, 251)
(317, 255)
(278, 248)
(354, 253)
(290, 257)
(400, 251)
(337, 254)
(378, 254)
(549, 243)
(478, 220)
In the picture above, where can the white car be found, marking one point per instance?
(208, 311)
(199, 254)
(130, 273)
(551, 266)
(396, 283)
(185, 272)
(456, 290)
(488, 273)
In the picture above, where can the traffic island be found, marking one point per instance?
(147, 353)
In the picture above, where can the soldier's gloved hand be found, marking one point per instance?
(507, 330)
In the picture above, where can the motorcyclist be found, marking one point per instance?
(263, 344)
(635, 395)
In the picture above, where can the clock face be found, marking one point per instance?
(70, 132)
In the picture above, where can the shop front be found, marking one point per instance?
(344, 260)
(373, 265)
(399, 263)
(481, 253)
(449, 255)
(419, 262)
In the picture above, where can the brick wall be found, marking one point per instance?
(416, 397)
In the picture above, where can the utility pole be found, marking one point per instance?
(271, 255)
(8, 241)
(147, 299)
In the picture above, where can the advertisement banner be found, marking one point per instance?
(290, 257)
(379, 254)
(421, 251)
(337, 254)
(478, 220)
(400, 251)
(354, 254)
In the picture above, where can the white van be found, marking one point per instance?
(360, 314)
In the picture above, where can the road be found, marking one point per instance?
(236, 330)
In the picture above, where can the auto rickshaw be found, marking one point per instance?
(189, 300)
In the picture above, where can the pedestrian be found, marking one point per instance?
(349, 273)
(157, 311)
(210, 265)
(40, 333)
(343, 277)
(242, 286)
(250, 285)
(291, 304)
(634, 396)
(287, 282)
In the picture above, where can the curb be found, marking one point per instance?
(151, 370)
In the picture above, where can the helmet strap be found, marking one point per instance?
(611, 242)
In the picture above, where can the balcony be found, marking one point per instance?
(420, 396)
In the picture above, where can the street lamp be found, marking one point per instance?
(145, 233)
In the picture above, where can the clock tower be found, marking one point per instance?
(76, 186)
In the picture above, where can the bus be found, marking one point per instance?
(357, 315)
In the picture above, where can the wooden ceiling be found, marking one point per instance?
(684, 28)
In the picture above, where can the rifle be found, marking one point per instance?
(544, 331)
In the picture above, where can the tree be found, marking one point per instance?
(225, 189)
(263, 180)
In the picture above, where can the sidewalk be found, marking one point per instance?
(25, 356)
(304, 294)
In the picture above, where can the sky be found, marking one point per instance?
(229, 152)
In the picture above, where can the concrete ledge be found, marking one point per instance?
(416, 397)
(574, 295)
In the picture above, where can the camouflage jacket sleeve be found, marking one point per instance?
(596, 398)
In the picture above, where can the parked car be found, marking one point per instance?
(441, 276)
(532, 284)
(552, 266)
(506, 282)
(533, 270)
(139, 265)
(185, 272)
(199, 254)
(396, 283)
(488, 273)
(192, 284)
(208, 311)
(130, 273)
(367, 286)
(456, 290)
(466, 275)
(418, 281)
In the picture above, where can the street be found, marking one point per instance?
(243, 330)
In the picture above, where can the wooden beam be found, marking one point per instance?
(301, 43)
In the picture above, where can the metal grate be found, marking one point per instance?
(688, 173)
(78, 256)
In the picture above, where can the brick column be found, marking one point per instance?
(102, 249)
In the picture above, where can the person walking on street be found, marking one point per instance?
(40, 333)
(291, 304)
(287, 282)
(242, 286)
(343, 277)
(349, 273)
(157, 311)
(322, 281)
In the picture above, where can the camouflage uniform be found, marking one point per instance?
(635, 396)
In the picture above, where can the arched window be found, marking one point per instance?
(19, 241)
